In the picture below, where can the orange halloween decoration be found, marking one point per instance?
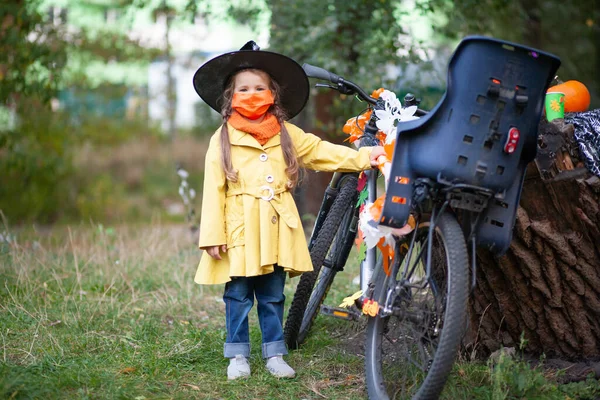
(359, 239)
(388, 254)
(577, 96)
(389, 149)
(377, 93)
(351, 128)
(377, 207)
(381, 136)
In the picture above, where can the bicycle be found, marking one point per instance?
(334, 233)
(458, 171)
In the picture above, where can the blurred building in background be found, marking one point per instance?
(157, 87)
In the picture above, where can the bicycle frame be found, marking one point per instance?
(367, 266)
(435, 199)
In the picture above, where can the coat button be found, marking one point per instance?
(269, 178)
(263, 157)
(274, 219)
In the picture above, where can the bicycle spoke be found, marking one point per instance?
(418, 303)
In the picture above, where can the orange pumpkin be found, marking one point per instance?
(577, 96)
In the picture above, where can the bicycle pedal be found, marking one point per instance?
(341, 313)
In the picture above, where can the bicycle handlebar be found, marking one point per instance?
(320, 73)
(342, 85)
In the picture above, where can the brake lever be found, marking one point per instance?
(340, 87)
(343, 89)
(326, 86)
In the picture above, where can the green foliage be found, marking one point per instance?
(100, 198)
(36, 165)
(358, 40)
(510, 377)
(208, 120)
(110, 46)
(569, 30)
(42, 176)
(354, 39)
(248, 11)
(38, 55)
(478, 17)
(589, 389)
(32, 52)
(515, 379)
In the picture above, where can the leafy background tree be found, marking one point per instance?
(359, 40)
(32, 53)
(365, 41)
(38, 57)
(569, 30)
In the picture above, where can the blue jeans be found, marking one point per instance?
(239, 299)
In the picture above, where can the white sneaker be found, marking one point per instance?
(279, 368)
(238, 367)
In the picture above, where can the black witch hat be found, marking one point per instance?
(211, 79)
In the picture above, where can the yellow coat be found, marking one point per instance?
(260, 232)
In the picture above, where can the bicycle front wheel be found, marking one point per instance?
(328, 253)
(410, 349)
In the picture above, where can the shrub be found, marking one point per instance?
(39, 178)
(35, 166)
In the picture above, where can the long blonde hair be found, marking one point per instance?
(289, 152)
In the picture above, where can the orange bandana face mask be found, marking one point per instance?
(252, 105)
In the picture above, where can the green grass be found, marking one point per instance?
(96, 313)
(114, 313)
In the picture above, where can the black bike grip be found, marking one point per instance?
(320, 73)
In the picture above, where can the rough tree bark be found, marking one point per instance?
(547, 286)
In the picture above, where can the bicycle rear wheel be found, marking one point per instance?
(329, 252)
(410, 350)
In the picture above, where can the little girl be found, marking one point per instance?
(250, 228)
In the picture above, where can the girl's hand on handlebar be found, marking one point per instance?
(376, 152)
(215, 251)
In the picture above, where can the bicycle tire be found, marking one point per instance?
(452, 320)
(338, 254)
(343, 204)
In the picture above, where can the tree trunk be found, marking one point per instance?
(171, 92)
(547, 286)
